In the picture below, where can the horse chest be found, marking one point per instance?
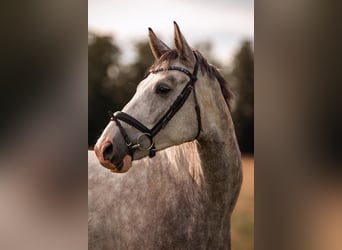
(149, 212)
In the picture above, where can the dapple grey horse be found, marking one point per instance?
(176, 187)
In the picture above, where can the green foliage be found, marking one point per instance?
(243, 76)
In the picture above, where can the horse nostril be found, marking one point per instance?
(107, 151)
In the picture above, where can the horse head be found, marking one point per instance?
(163, 112)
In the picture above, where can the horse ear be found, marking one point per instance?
(157, 46)
(185, 51)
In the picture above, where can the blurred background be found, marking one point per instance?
(119, 55)
(43, 125)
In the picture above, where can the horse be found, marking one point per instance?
(166, 171)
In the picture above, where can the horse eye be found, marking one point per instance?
(162, 89)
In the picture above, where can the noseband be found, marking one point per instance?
(173, 109)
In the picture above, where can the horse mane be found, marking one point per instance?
(179, 161)
(205, 68)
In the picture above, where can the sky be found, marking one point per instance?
(224, 23)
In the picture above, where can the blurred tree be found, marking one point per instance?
(243, 77)
(111, 84)
(102, 53)
(144, 59)
(127, 77)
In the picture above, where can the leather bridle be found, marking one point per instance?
(151, 133)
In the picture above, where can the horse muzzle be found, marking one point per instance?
(107, 156)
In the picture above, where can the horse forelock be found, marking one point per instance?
(167, 58)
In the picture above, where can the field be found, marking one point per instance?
(243, 215)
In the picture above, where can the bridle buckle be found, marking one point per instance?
(139, 144)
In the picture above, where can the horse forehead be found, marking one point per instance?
(167, 76)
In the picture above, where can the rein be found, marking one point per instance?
(173, 109)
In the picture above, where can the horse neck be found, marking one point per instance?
(217, 147)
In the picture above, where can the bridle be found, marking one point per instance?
(173, 109)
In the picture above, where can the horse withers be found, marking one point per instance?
(176, 145)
